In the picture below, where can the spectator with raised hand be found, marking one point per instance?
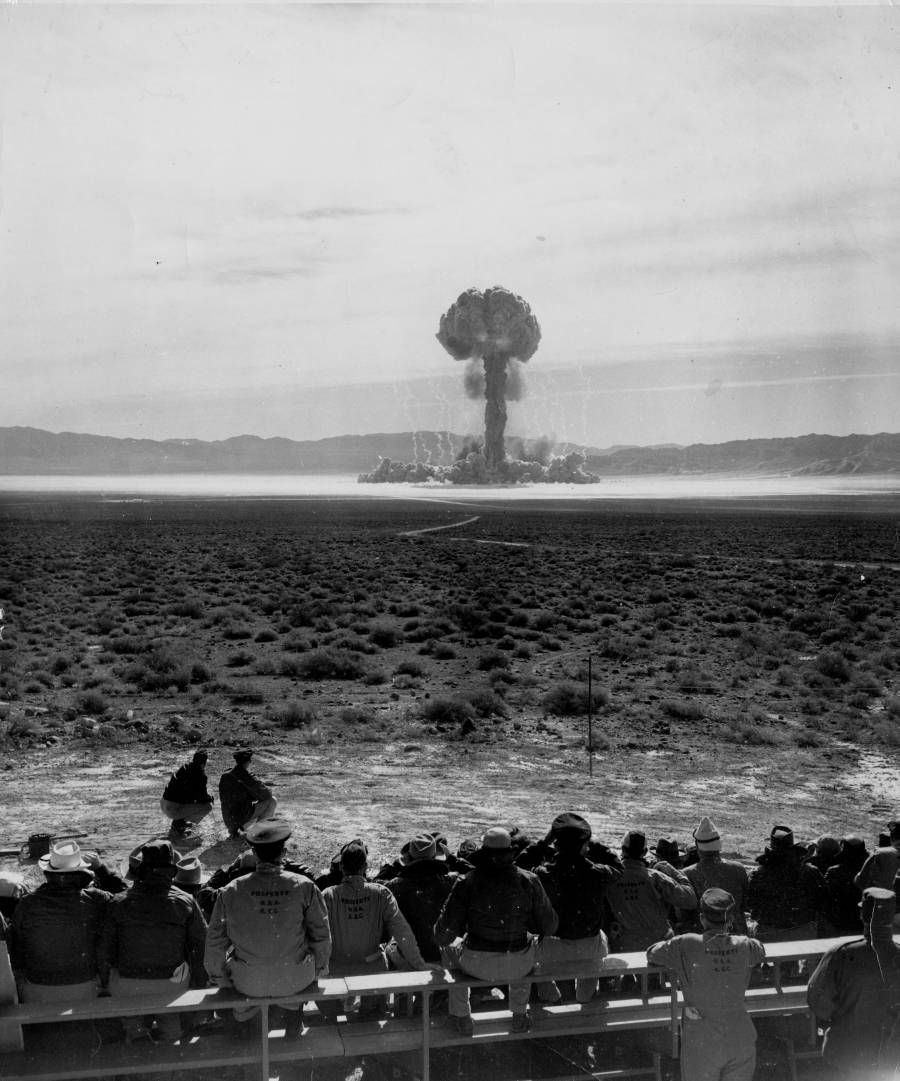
(576, 889)
(786, 894)
(639, 899)
(496, 910)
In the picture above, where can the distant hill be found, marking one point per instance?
(33, 451)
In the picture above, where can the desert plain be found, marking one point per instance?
(402, 665)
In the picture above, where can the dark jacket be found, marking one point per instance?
(152, 929)
(188, 785)
(540, 852)
(854, 991)
(496, 906)
(784, 890)
(420, 889)
(239, 792)
(576, 888)
(842, 897)
(55, 931)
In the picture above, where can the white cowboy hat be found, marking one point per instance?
(64, 856)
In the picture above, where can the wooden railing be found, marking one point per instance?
(650, 1006)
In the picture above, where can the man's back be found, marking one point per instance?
(576, 889)
(713, 968)
(713, 872)
(638, 902)
(151, 930)
(54, 934)
(420, 890)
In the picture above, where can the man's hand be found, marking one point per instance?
(322, 973)
(223, 982)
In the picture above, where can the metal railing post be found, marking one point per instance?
(426, 1033)
(264, 1037)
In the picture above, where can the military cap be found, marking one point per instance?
(268, 831)
(496, 837)
(716, 905)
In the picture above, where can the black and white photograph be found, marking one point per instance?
(450, 531)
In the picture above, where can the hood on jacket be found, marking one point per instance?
(493, 861)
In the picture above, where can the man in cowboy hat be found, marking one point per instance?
(785, 895)
(421, 887)
(711, 870)
(153, 938)
(496, 910)
(243, 797)
(269, 934)
(577, 890)
(854, 992)
(56, 930)
(192, 879)
(185, 798)
(713, 970)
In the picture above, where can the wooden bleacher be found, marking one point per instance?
(645, 1009)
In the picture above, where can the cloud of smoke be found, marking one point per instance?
(515, 381)
(473, 379)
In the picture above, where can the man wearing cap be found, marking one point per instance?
(855, 993)
(713, 970)
(55, 930)
(269, 934)
(577, 890)
(243, 796)
(881, 868)
(842, 895)
(785, 894)
(152, 940)
(712, 871)
(639, 899)
(185, 798)
(496, 909)
(420, 888)
(362, 916)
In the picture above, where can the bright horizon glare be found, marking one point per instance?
(226, 219)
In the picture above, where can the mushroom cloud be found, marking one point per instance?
(496, 327)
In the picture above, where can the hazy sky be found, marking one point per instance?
(227, 219)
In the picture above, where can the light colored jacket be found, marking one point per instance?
(638, 902)
(269, 932)
(363, 915)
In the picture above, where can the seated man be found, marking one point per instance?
(153, 937)
(243, 797)
(577, 889)
(496, 910)
(269, 932)
(185, 798)
(362, 916)
(55, 930)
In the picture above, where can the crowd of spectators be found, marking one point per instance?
(497, 907)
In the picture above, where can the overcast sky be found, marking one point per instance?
(227, 219)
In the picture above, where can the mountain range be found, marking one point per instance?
(32, 451)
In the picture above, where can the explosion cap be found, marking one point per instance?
(716, 905)
(268, 831)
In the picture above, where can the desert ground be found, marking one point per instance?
(404, 665)
(400, 666)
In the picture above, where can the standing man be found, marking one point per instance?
(785, 895)
(185, 798)
(269, 933)
(244, 797)
(855, 992)
(713, 970)
(496, 910)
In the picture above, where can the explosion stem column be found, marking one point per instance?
(495, 373)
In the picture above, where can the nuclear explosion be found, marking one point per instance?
(495, 332)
